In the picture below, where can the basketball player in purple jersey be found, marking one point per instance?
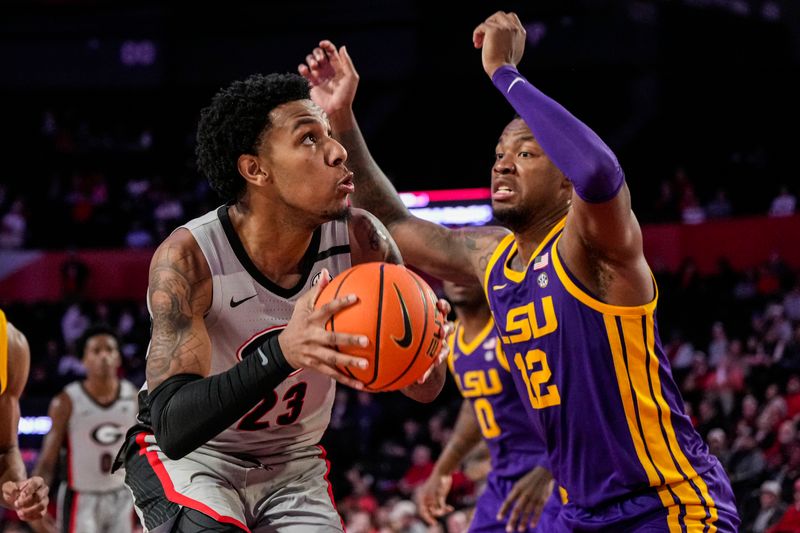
(573, 300)
(520, 479)
(241, 372)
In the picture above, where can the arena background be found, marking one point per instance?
(698, 98)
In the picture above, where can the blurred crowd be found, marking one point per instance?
(102, 191)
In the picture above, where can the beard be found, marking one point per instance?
(515, 218)
(337, 214)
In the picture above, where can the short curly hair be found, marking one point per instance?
(93, 331)
(234, 123)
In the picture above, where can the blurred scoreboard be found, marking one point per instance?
(451, 207)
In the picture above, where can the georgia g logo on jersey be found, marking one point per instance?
(107, 433)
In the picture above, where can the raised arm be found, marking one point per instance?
(456, 255)
(601, 224)
(188, 407)
(28, 497)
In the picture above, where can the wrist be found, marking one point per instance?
(504, 75)
(342, 119)
(276, 352)
(441, 470)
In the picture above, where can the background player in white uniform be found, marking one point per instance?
(28, 497)
(90, 418)
(240, 371)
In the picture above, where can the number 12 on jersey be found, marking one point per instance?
(535, 378)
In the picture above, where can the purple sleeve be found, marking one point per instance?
(575, 149)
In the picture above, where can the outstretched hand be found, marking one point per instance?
(432, 498)
(502, 40)
(332, 76)
(306, 343)
(27, 497)
(526, 499)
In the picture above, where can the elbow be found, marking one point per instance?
(428, 391)
(601, 183)
(428, 397)
(171, 443)
(172, 448)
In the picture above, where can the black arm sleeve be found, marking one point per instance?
(188, 410)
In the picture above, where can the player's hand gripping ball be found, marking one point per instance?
(396, 310)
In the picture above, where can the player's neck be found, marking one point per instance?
(275, 245)
(472, 320)
(102, 389)
(529, 239)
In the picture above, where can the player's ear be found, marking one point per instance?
(251, 169)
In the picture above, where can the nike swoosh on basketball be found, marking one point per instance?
(235, 303)
(498, 287)
(405, 342)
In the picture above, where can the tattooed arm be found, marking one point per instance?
(459, 256)
(188, 407)
(370, 240)
(179, 295)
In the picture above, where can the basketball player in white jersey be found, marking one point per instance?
(240, 370)
(28, 497)
(90, 418)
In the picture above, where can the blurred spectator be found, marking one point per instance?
(420, 470)
(691, 210)
(718, 347)
(14, 226)
(791, 303)
(138, 236)
(784, 204)
(720, 206)
(74, 275)
(361, 497)
(727, 381)
(746, 467)
(360, 522)
(790, 521)
(403, 518)
(770, 510)
(718, 445)
(457, 522)
(73, 324)
(665, 208)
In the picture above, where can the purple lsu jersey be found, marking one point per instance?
(598, 385)
(483, 377)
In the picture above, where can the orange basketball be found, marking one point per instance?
(396, 310)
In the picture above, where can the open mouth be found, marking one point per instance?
(502, 192)
(346, 184)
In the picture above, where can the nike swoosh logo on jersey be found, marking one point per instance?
(498, 287)
(263, 356)
(234, 303)
(405, 342)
